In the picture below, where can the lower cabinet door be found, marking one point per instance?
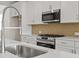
(77, 51)
(77, 45)
(29, 39)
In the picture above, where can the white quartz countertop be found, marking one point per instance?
(68, 38)
(58, 54)
(50, 53)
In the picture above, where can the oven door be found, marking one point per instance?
(46, 45)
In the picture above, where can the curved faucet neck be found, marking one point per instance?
(3, 27)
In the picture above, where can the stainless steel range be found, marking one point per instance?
(47, 40)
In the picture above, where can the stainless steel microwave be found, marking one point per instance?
(51, 17)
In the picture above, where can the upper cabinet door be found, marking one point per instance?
(37, 13)
(69, 11)
(33, 12)
(30, 12)
(46, 5)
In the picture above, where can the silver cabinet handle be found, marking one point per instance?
(77, 16)
(64, 42)
(72, 51)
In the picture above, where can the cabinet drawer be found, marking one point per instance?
(64, 49)
(32, 42)
(29, 39)
(65, 43)
(77, 51)
(77, 45)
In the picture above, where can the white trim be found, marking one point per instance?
(12, 27)
(50, 21)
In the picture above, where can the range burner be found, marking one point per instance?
(51, 35)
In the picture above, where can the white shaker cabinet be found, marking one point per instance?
(26, 13)
(29, 39)
(69, 11)
(33, 12)
(37, 13)
(70, 45)
(77, 46)
(66, 49)
(77, 51)
(63, 44)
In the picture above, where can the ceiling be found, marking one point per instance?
(7, 3)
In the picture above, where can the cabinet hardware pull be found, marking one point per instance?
(72, 51)
(63, 42)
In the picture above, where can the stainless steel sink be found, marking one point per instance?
(24, 52)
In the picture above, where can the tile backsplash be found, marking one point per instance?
(67, 29)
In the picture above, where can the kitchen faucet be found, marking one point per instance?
(3, 28)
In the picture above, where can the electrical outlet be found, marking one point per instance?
(76, 33)
(40, 32)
